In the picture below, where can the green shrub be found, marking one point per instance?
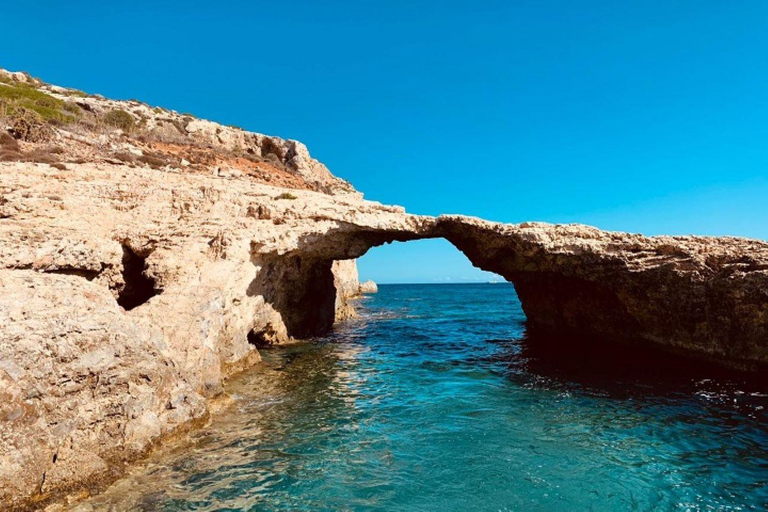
(286, 195)
(51, 110)
(120, 119)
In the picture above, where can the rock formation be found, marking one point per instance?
(368, 287)
(705, 297)
(142, 265)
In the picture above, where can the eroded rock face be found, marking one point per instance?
(157, 285)
(347, 285)
(130, 293)
(76, 372)
(368, 287)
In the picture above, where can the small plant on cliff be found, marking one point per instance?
(28, 125)
(120, 119)
(286, 195)
(16, 96)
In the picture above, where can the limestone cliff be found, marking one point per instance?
(140, 265)
(144, 259)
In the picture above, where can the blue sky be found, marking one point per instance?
(640, 116)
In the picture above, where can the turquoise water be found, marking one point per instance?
(436, 399)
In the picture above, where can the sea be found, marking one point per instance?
(440, 398)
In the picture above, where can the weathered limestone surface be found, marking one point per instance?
(347, 287)
(129, 291)
(76, 373)
(368, 287)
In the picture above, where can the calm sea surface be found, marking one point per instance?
(437, 399)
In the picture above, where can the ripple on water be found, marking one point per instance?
(436, 399)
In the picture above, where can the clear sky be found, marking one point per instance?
(644, 116)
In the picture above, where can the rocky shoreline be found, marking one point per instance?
(142, 266)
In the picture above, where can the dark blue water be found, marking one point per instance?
(437, 399)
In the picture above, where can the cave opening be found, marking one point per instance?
(257, 338)
(138, 286)
(301, 289)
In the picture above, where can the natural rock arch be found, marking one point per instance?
(699, 296)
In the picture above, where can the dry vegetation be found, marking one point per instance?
(41, 123)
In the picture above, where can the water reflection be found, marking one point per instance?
(603, 369)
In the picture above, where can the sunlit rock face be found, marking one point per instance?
(347, 288)
(131, 293)
(368, 287)
(133, 286)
